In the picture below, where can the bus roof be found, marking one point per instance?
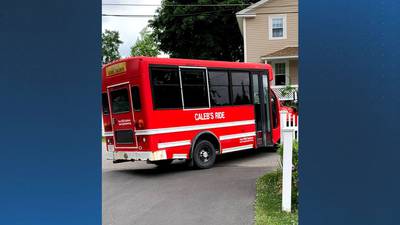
(194, 62)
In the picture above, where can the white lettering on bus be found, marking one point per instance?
(209, 116)
(220, 115)
(124, 122)
(246, 139)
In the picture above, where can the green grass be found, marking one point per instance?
(269, 202)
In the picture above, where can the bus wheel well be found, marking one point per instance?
(209, 137)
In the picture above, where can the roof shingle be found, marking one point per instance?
(285, 52)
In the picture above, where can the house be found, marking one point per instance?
(270, 33)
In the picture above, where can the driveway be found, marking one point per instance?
(142, 194)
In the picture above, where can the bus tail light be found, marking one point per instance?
(140, 124)
(107, 127)
(110, 141)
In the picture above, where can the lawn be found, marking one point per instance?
(269, 202)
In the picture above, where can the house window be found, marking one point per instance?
(277, 27)
(280, 73)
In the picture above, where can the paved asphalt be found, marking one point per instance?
(143, 194)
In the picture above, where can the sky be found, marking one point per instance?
(128, 27)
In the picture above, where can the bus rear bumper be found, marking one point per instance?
(136, 155)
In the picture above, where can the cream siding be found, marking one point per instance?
(293, 72)
(257, 31)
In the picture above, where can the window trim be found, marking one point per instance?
(275, 122)
(228, 86)
(161, 66)
(231, 85)
(140, 103)
(129, 100)
(278, 16)
(102, 104)
(227, 69)
(181, 86)
(287, 72)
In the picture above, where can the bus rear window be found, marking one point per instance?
(136, 98)
(120, 101)
(124, 136)
(104, 100)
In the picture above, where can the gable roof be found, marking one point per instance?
(251, 7)
(285, 53)
(246, 13)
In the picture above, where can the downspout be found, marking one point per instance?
(244, 39)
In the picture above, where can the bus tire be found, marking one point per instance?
(204, 155)
(163, 163)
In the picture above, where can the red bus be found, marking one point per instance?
(159, 109)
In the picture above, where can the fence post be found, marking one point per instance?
(287, 169)
(102, 127)
(283, 119)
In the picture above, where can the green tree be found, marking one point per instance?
(145, 45)
(109, 45)
(203, 32)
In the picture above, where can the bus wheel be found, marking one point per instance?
(204, 155)
(162, 163)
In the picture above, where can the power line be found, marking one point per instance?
(199, 5)
(181, 15)
(175, 5)
(191, 14)
(194, 13)
(199, 13)
(119, 15)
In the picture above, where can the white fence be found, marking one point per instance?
(290, 121)
(289, 132)
(287, 165)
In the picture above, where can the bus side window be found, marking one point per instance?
(166, 88)
(240, 88)
(135, 98)
(194, 88)
(219, 88)
(104, 99)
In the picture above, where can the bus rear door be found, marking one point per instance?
(122, 116)
(262, 109)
